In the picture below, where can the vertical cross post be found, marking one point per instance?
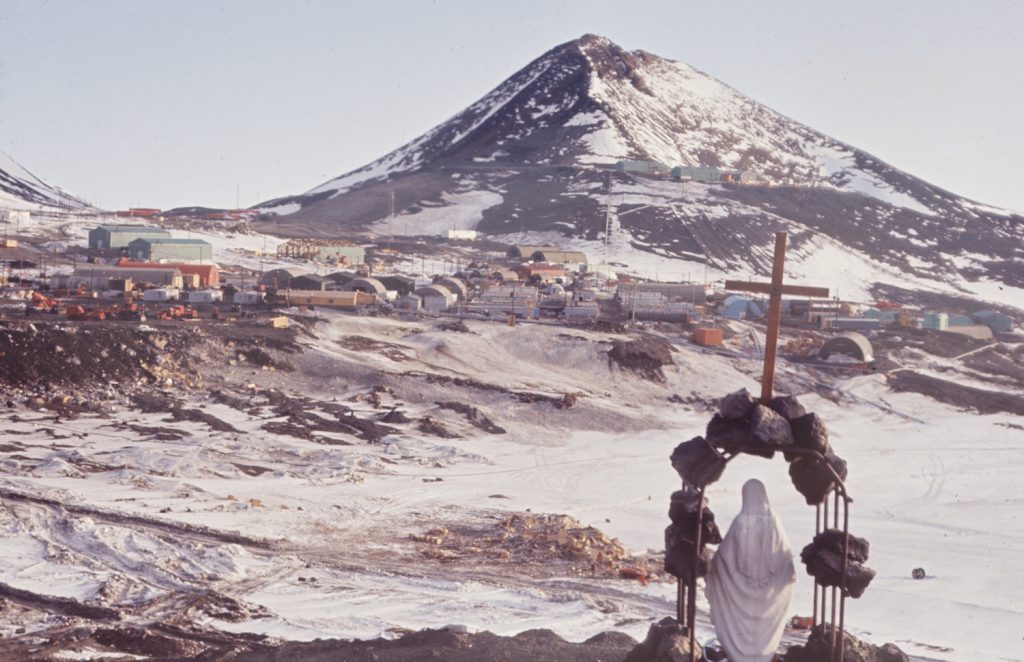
(774, 290)
(774, 318)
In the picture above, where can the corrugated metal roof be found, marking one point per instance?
(525, 251)
(848, 344)
(173, 240)
(435, 291)
(141, 229)
(559, 256)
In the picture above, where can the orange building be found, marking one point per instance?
(209, 274)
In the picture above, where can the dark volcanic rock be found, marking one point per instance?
(728, 434)
(809, 432)
(787, 406)
(854, 650)
(737, 405)
(827, 568)
(682, 511)
(447, 645)
(679, 553)
(832, 540)
(645, 356)
(769, 428)
(812, 479)
(666, 641)
(697, 462)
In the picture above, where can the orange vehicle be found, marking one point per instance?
(178, 313)
(42, 302)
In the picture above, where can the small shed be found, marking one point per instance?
(247, 297)
(409, 303)
(436, 298)
(205, 296)
(161, 294)
(313, 282)
(850, 344)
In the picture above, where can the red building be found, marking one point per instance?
(138, 212)
(209, 274)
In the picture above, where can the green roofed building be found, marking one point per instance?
(119, 236)
(165, 248)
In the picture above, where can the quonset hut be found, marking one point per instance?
(850, 344)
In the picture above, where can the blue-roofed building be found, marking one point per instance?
(738, 307)
(998, 322)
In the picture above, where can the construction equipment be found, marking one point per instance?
(128, 311)
(124, 311)
(42, 302)
(75, 312)
(178, 313)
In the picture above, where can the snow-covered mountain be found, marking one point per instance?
(532, 160)
(20, 189)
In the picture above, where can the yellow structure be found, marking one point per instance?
(328, 298)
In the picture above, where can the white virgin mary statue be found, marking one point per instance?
(750, 582)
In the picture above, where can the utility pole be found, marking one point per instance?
(607, 217)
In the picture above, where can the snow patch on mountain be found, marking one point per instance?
(21, 190)
(459, 211)
(839, 166)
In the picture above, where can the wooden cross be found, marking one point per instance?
(775, 290)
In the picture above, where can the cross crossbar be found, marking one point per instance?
(775, 290)
(766, 288)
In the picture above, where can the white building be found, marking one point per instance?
(247, 297)
(205, 296)
(161, 294)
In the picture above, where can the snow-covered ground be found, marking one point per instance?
(325, 525)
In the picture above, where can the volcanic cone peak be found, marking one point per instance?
(536, 157)
(20, 189)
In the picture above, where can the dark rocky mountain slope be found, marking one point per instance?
(532, 161)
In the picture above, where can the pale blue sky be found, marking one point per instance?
(174, 103)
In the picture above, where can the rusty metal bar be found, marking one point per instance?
(832, 622)
(842, 597)
(824, 589)
(817, 530)
(680, 599)
(692, 616)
